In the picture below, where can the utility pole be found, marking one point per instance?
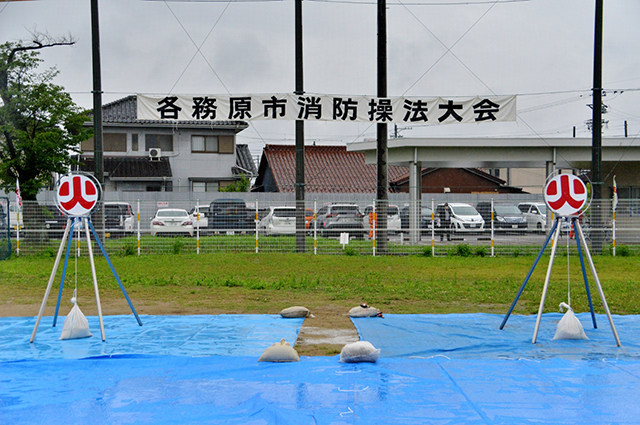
(382, 135)
(300, 204)
(97, 112)
(97, 94)
(596, 133)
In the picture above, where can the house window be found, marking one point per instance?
(111, 142)
(204, 144)
(134, 142)
(161, 141)
(226, 145)
(201, 187)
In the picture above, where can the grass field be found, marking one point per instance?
(265, 283)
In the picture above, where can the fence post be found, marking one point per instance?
(492, 230)
(375, 221)
(433, 228)
(138, 231)
(315, 227)
(613, 232)
(257, 226)
(197, 226)
(17, 227)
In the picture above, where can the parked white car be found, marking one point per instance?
(535, 213)
(279, 221)
(169, 221)
(458, 217)
(201, 221)
(394, 224)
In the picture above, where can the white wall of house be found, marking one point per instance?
(186, 165)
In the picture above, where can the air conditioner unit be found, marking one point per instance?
(155, 154)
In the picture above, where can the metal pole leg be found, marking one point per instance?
(526, 280)
(595, 278)
(115, 274)
(95, 278)
(546, 284)
(53, 275)
(64, 273)
(584, 274)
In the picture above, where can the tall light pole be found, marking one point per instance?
(300, 205)
(382, 194)
(596, 128)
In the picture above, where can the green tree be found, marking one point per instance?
(241, 185)
(40, 125)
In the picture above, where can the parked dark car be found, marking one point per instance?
(230, 215)
(505, 216)
(425, 219)
(54, 221)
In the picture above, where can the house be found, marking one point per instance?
(334, 169)
(456, 180)
(328, 169)
(161, 156)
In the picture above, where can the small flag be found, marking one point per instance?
(615, 193)
(18, 197)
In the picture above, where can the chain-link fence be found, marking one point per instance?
(431, 227)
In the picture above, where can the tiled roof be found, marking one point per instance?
(327, 169)
(130, 167)
(244, 161)
(125, 110)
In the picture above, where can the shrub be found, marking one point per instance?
(177, 246)
(463, 250)
(426, 251)
(623, 251)
(348, 250)
(481, 251)
(129, 248)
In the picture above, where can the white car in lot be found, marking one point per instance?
(279, 221)
(201, 221)
(394, 224)
(535, 213)
(169, 221)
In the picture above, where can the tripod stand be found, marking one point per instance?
(67, 239)
(580, 241)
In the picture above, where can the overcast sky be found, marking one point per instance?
(540, 50)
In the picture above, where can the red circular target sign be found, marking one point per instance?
(77, 194)
(566, 195)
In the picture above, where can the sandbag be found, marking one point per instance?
(569, 326)
(295, 312)
(364, 310)
(361, 351)
(280, 352)
(75, 325)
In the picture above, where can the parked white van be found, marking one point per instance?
(535, 213)
(458, 217)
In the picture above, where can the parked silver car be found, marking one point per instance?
(279, 221)
(334, 219)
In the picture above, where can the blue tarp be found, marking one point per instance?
(479, 336)
(200, 335)
(317, 390)
(439, 381)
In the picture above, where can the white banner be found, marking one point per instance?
(322, 107)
